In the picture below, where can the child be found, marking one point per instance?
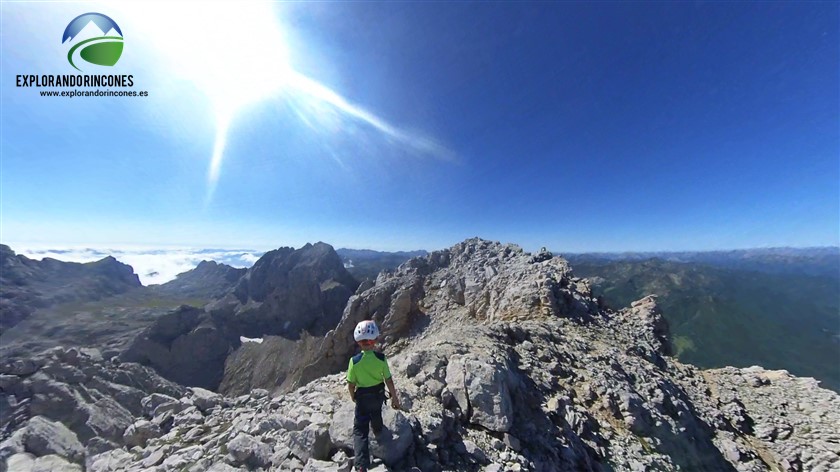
(367, 375)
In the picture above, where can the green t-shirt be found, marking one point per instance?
(368, 369)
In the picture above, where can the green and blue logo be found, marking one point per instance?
(104, 50)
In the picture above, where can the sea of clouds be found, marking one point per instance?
(152, 265)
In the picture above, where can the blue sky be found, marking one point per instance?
(577, 126)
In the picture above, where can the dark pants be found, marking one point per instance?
(368, 413)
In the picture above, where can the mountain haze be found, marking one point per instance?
(780, 317)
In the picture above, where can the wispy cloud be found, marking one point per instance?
(413, 141)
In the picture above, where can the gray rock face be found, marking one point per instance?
(209, 280)
(185, 346)
(286, 292)
(503, 361)
(481, 390)
(794, 418)
(27, 284)
(73, 400)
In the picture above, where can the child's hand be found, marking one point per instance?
(395, 402)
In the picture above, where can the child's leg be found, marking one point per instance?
(361, 443)
(376, 417)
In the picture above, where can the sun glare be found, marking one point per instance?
(236, 55)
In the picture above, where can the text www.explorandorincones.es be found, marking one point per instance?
(94, 93)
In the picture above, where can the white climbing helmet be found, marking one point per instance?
(365, 330)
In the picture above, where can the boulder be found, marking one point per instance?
(482, 391)
(42, 437)
(109, 461)
(106, 418)
(248, 451)
(151, 402)
(53, 463)
(205, 399)
(313, 442)
(314, 465)
(20, 462)
(140, 432)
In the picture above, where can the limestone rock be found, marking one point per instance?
(20, 462)
(140, 432)
(205, 399)
(482, 392)
(314, 465)
(395, 441)
(313, 442)
(42, 437)
(52, 463)
(246, 450)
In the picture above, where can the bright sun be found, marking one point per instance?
(236, 55)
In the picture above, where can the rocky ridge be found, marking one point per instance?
(209, 280)
(27, 284)
(503, 361)
(286, 293)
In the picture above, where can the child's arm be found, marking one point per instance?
(395, 400)
(352, 388)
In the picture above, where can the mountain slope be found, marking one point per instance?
(208, 280)
(26, 284)
(286, 293)
(721, 316)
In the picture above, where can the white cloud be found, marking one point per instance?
(152, 265)
(250, 257)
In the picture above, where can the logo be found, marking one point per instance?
(93, 48)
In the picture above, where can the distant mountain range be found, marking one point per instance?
(779, 308)
(367, 264)
(784, 260)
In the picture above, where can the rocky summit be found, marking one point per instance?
(503, 360)
(286, 293)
